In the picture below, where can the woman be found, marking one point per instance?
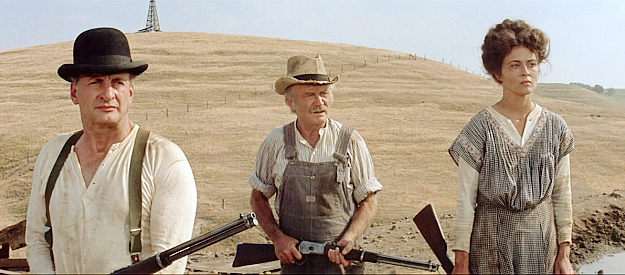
(514, 198)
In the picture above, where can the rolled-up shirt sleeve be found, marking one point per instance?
(263, 178)
(362, 170)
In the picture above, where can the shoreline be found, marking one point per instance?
(600, 230)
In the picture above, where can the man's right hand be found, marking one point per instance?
(286, 249)
(461, 262)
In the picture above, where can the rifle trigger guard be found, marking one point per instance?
(303, 261)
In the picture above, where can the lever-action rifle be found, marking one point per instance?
(165, 258)
(248, 254)
(430, 228)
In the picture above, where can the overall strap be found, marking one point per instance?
(342, 143)
(289, 141)
(54, 174)
(290, 153)
(134, 192)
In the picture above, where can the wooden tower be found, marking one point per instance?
(152, 23)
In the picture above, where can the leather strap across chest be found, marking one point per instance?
(134, 188)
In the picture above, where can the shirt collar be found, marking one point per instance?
(302, 140)
(534, 113)
(127, 139)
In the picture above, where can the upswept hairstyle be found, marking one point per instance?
(501, 38)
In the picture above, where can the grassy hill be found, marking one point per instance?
(619, 95)
(212, 95)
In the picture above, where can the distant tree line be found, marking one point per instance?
(597, 88)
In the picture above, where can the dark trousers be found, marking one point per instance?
(318, 264)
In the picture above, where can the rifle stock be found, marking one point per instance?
(254, 254)
(430, 229)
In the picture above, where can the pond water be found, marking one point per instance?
(610, 264)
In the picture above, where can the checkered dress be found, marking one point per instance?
(513, 229)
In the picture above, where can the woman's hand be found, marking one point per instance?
(461, 262)
(563, 262)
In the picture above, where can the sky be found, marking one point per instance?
(587, 37)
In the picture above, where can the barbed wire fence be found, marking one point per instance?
(232, 96)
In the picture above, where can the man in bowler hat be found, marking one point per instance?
(321, 173)
(91, 209)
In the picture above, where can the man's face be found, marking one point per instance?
(311, 103)
(104, 100)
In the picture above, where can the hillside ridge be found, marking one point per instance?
(213, 95)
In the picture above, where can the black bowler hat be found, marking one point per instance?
(101, 51)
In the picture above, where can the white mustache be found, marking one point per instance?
(319, 109)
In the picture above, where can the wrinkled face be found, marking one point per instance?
(310, 102)
(104, 100)
(519, 71)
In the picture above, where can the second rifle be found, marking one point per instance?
(249, 253)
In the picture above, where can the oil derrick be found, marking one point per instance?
(152, 24)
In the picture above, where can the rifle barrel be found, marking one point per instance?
(212, 237)
(364, 256)
(406, 262)
(165, 258)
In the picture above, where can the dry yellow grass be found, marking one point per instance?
(212, 95)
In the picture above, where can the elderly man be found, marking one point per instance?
(321, 171)
(112, 193)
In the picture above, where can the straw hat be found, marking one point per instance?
(101, 51)
(304, 70)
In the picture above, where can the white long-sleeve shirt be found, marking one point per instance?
(468, 185)
(90, 221)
